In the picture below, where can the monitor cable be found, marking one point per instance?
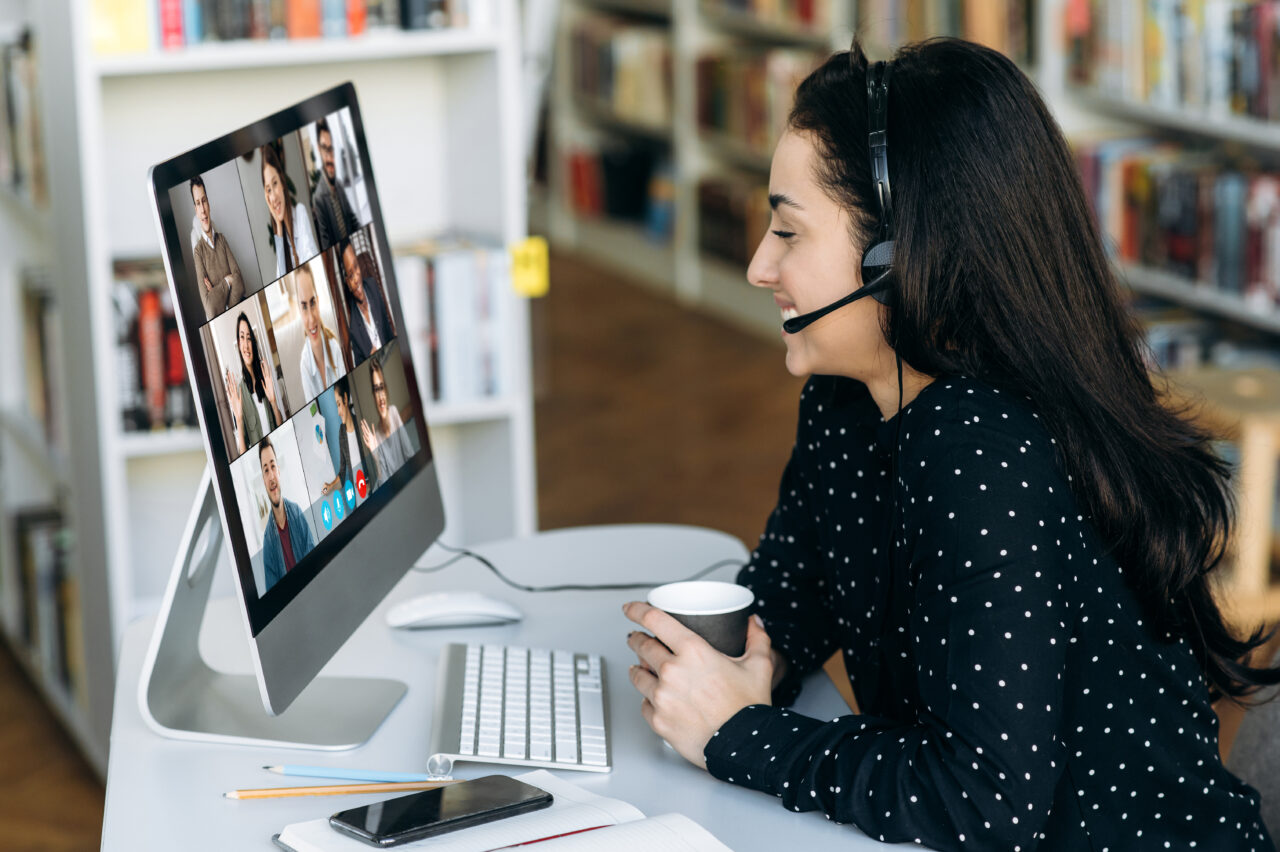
(461, 553)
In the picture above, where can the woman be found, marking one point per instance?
(351, 450)
(321, 360)
(988, 507)
(291, 233)
(252, 396)
(388, 440)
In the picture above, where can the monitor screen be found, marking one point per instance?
(289, 312)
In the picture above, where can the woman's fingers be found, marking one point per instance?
(670, 632)
(650, 651)
(644, 682)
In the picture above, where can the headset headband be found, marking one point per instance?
(878, 142)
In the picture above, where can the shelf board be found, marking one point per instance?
(219, 56)
(624, 246)
(756, 27)
(735, 152)
(603, 114)
(135, 445)
(1200, 296)
(1252, 132)
(30, 438)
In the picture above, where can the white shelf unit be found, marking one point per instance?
(1240, 132)
(443, 111)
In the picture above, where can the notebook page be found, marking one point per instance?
(666, 833)
(573, 809)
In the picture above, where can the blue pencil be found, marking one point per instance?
(347, 774)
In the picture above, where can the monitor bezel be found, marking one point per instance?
(261, 611)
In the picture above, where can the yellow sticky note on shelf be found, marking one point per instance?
(529, 271)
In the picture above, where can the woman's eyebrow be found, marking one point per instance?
(779, 198)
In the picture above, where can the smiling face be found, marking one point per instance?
(324, 140)
(270, 474)
(201, 199)
(244, 342)
(351, 274)
(309, 305)
(273, 188)
(808, 259)
(379, 391)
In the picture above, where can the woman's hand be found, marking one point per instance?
(269, 388)
(233, 392)
(366, 434)
(691, 690)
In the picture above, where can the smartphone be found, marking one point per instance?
(448, 808)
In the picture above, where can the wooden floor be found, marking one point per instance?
(646, 412)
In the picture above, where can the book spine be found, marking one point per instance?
(193, 21)
(334, 21)
(411, 281)
(151, 345)
(433, 327)
(302, 18)
(357, 17)
(171, 30)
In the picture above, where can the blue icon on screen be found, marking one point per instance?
(337, 506)
(319, 434)
(326, 515)
(350, 491)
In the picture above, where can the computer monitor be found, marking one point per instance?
(320, 466)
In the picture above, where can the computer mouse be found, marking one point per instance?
(452, 609)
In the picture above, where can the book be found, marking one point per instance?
(601, 823)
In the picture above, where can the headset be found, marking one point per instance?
(877, 261)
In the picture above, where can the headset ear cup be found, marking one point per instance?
(876, 263)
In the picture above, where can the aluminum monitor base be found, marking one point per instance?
(181, 697)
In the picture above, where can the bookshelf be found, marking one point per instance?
(127, 494)
(1198, 76)
(678, 265)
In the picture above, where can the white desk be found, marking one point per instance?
(166, 794)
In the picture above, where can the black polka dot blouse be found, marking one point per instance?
(1012, 697)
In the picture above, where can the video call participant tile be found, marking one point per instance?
(382, 395)
(218, 250)
(339, 197)
(248, 384)
(360, 283)
(300, 310)
(275, 507)
(277, 194)
(319, 432)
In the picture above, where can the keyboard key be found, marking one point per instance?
(591, 709)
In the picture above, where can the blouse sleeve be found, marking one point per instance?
(978, 767)
(304, 236)
(785, 572)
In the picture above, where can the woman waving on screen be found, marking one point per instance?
(989, 507)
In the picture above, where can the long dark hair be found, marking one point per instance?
(273, 159)
(1000, 274)
(252, 374)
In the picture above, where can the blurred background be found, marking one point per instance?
(646, 384)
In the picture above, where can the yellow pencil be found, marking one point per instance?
(336, 789)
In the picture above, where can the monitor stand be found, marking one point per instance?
(181, 697)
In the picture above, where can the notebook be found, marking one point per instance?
(574, 809)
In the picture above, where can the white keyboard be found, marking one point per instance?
(522, 706)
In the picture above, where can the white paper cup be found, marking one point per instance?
(717, 612)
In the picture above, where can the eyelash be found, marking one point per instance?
(785, 235)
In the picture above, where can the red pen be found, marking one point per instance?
(550, 837)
